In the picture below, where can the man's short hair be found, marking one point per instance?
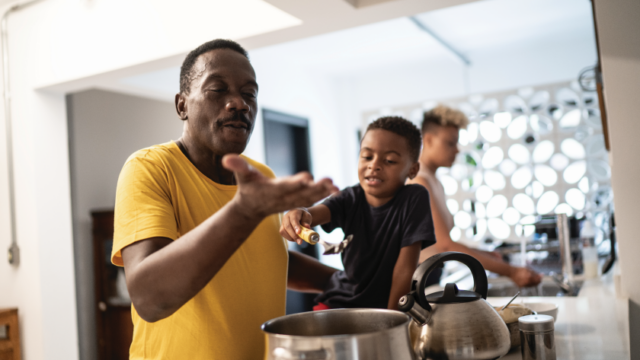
(443, 116)
(186, 70)
(402, 127)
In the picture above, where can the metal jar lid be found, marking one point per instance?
(536, 323)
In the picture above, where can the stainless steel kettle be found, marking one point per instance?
(454, 324)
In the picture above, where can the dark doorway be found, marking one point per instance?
(286, 139)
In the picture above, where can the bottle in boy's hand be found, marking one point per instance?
(313, 238)
(293, 224)
(309, 236)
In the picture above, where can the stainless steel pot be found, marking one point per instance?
(341, 334)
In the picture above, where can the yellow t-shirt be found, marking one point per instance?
(161, 193)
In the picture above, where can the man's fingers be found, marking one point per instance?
(304, 177)
(308, 195)
(240, 167)
(290, 195)
(329, 186)
(267, 196)
(312, 191)
(302, 180)
(235, 163)
(294, 183)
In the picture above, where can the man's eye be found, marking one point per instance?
(251, 95)
(391, 161)
(366, 157)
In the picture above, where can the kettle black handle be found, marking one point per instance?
(419, 280)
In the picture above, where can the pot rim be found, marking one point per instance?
(349, 310)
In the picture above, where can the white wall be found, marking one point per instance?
(58, 41)
(618, 29)
(104, 129)
(42, 287)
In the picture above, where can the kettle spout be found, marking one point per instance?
(409, 305)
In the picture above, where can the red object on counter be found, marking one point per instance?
(321, 306)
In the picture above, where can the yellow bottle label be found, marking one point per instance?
(309, 235)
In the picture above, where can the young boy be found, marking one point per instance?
(440, 128)
(390, 221)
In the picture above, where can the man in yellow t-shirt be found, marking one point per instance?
(197, 227)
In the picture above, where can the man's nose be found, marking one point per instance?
(237, 103)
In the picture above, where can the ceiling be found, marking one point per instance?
(469, 28)
(314, 17)
(489, 24)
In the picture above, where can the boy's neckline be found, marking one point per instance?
(386, 204)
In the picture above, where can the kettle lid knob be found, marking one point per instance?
(451, 295)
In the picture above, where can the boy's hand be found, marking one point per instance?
(524, 277)
(291, 223)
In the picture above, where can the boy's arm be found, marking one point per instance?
(521, 276)
(320, 214)
(307, 274)
(294, 219)
(403, 271)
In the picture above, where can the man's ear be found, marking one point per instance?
(181, 106)
(413, 172)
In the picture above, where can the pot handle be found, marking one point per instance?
(286, 354)
(418, 282)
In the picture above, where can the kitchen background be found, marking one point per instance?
(494, 59)
(517, 57)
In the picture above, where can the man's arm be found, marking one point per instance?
(162, 275)
(521, 276)
(402, 273)
(307, 274)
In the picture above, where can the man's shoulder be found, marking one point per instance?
(154, 154)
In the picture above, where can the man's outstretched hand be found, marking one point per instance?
(259, 196)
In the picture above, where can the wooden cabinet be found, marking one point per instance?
(9, 335)
(113, 306)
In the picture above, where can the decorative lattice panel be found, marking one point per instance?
(526, 152)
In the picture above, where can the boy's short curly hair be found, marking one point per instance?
(443, 115)
(402, 127)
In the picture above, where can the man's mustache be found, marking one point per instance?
(237, 116)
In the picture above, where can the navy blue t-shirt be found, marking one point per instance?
(378, 235)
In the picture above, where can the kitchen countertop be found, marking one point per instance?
(593, 325)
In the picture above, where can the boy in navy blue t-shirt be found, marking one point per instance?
(390, 221)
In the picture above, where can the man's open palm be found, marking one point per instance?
(262, 196)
